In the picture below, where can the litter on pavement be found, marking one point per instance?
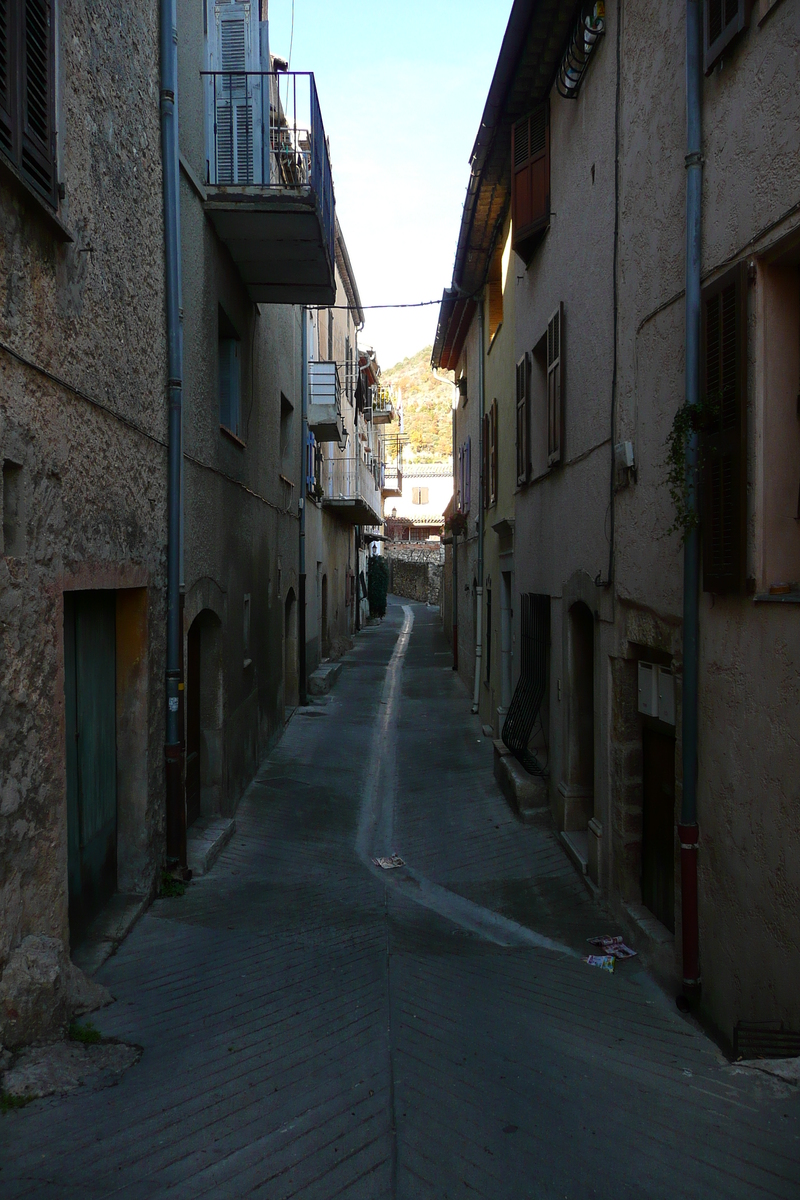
(612, 945)
(604, 961)
(388, 863)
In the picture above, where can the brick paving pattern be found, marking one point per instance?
(309, 1030)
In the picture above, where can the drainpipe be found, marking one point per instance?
(479, 589)
(301, 599)
(688, 829)
(176, 806)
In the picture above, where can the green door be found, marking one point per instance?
(90, 694)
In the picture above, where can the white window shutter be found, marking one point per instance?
(233, 102)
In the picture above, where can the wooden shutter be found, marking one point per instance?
(723, 20)
(468, 474)
(523, 419)
(530, 187)
(724, 441)
(8, 77)
(485, 461)
(555, 385)
(38, 99)
(493, 459)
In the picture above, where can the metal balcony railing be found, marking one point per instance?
(350, 478)
(264, 134)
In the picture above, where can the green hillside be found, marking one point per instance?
(427, 411)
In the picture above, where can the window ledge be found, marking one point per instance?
(10, 175)
(234, 437)
(782, 598)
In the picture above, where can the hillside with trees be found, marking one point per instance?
(427, 407)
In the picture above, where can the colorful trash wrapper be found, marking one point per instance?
(604, 961)
(612, 944)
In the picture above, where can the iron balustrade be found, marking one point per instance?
(264, 134)
(351, 478)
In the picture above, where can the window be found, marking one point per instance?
(490, 456)
(419, 495)
(523, 419)
(724, 456)
(530, 188)
(776, 411)
(230, 377)
(555, 381)
(287, 411)
(27, 93)
(723, 20)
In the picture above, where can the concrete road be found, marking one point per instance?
(313, 1026)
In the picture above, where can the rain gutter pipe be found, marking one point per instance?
(481, 483)
(301, 599)
(688, 828)
(173, 749)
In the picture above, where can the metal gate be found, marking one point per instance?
(90, 703)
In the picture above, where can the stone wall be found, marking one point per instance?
(415, 571)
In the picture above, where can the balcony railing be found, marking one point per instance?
(354, 488)
(324, 401)
(266, 146)
(382, 407)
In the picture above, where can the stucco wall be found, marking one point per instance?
(90, 311)
(749, 755)
(241, 535)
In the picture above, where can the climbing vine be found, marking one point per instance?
(688, 420)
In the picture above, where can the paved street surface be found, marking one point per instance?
(314, 1027)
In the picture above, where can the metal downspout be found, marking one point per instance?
(479, 588)
(301, 599)
(176, 806)
(688, 828)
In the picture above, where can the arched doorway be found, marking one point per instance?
(203, 716)
(290, 680)
(324, 634)
(579, 789)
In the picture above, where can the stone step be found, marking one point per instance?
(323, 679)
(204, 841)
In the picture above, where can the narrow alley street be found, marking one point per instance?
(313, 1026)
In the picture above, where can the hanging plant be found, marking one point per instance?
(688, 420)
(456, 524)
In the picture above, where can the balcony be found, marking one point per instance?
(351, 489)
(382, 407)
(392, 479)
(324, 402)
(269, 185)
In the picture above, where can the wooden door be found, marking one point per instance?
(193, 724)
(90, 696)
(658, 825)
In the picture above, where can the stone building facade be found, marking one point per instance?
(83, 438)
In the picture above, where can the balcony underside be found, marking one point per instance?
(277, 240)
(381, 416)
(352, 511)
(392, 489)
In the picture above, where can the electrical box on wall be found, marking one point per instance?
(657, 692)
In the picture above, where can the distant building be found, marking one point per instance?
(417, 514)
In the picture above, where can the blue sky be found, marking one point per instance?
(402, 87)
